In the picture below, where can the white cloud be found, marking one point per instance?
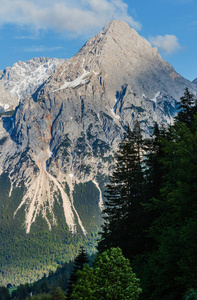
(167, 43)
(76, 16)
(42, 49)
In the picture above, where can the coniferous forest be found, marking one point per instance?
(147, 247)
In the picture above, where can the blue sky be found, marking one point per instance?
(59, 28)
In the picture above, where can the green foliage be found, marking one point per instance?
(79, 262)
(4, 293)
(124, 195)
(187, 108)
(41, 297)
(86, 202)
(191, 295)
(174, 229)
(58, 294)
(21, 292)
(111, 278)
(85, 287)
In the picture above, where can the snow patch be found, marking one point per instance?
(82, 65)
(117, 100)
(5, 106)
(155, 97)
(96, 73)
(114, 115)
(81, 80)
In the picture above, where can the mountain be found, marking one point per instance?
(194, 81)
(23, 78)
(57, 149)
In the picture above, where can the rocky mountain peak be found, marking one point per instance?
(118, 28)
(116, 38)
(68, 131)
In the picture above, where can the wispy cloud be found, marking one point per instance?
(41, 49)
(26, 37)
(77, 16)
(167, 43)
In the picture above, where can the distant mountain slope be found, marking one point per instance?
(194, 81)
(23, 78)
(57, 151)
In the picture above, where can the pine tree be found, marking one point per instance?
(153, 171)
(80, 260)
(187, 108)
(58, 294)
(4, 293)
(124, 195)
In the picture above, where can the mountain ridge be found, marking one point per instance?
(23, 78)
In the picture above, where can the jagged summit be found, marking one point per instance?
(120, 29)
(118, 34)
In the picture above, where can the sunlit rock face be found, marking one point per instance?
(24, 77)
(7, 100)
(68, 131)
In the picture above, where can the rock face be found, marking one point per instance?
(71, 126)
(7, 100)
(194, 81)
(23, 78)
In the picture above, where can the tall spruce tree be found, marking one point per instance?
(79, 262)
(123, 213)
(187, 108)
(153, 171)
